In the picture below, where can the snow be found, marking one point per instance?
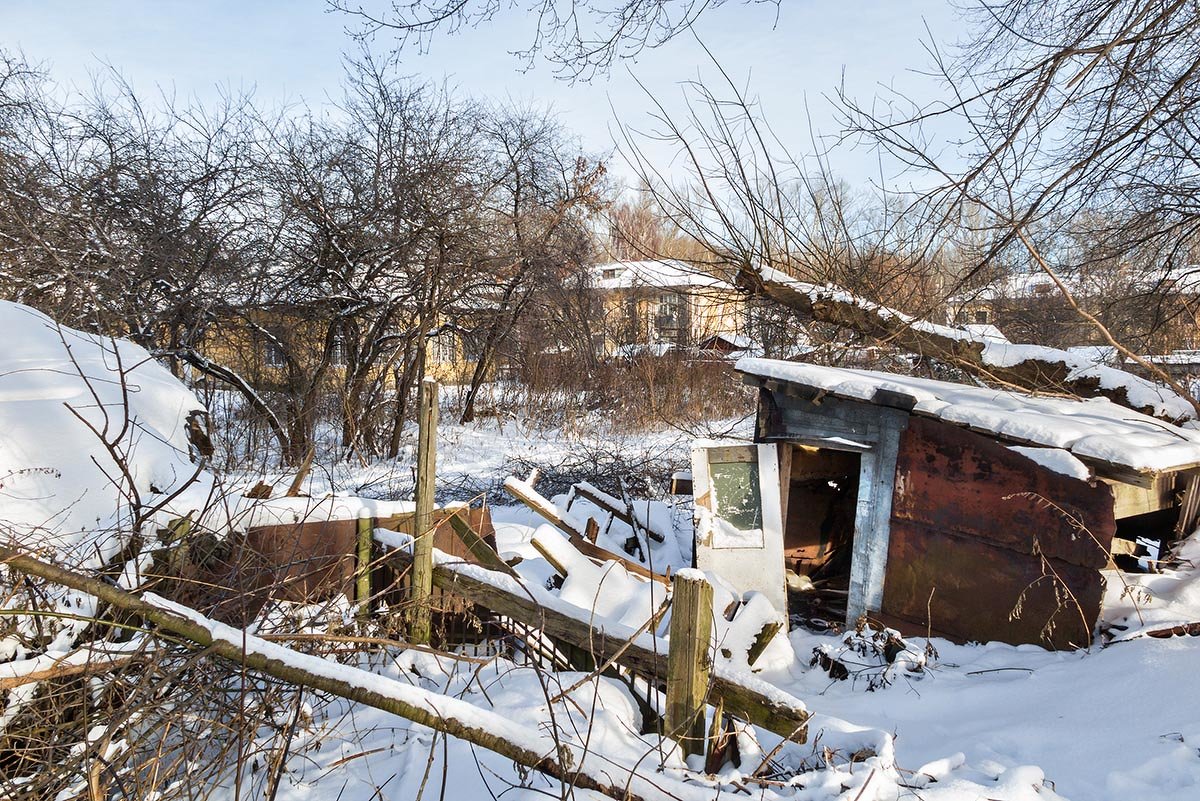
(655, 274)
(993, 721)
(985, 331)
(93, 429)
(1055, 459)
(1142, 393)
(1095, 430)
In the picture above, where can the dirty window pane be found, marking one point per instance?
(735, 487)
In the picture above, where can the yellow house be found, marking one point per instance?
(666, 304)
(257, 346)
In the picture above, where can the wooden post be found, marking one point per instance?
(362, 572)
(688, 659)
(422, 572)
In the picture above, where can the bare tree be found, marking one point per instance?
(781, 229)
(539, 203)
(1075, 112)
(580, 38)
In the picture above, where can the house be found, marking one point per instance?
(971, 513)
(665, 302)
(257, 345)
(1155, 307)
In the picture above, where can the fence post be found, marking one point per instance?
(688, 659)
(422, 572)
(362, 572)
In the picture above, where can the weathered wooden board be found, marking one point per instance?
(309, 561)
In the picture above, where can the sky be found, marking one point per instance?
(292, 51)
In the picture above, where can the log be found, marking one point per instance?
(1047, 369)
(688, 659)
(443, 713)
(744, 696)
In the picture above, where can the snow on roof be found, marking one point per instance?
(1094, 430)
(661, 274)
(985, 331)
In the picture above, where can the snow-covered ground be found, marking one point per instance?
(945, 723)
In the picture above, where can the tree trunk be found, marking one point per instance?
(1034, 368)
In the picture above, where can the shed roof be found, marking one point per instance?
(1096, 430)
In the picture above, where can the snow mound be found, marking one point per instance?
(94, 429)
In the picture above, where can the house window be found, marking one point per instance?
(273, 355)
(668, 305)
(610, 273)
(981, 317)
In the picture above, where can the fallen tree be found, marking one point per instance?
(1027, 367)
(564, 761)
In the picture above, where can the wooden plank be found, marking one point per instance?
(688, 659)
(1191, 506)
(761, 641)
(479, 548)
(763, 708)
(1130, 500)
(530, 497)
(872, 518)
(617, 508)
(422, 573)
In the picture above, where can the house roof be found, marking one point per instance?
(1097, 431)
(659, 274)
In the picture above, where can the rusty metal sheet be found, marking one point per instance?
(305, 562)
(952, 479)
(967, 589)
(986, 544)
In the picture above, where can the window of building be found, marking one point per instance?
(981, 317)
(273, 355)
(610, 273)
(668, 305)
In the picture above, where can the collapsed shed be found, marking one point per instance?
(972, 513)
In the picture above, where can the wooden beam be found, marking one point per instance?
(478, 546)
(551, 514)
(1130, 500)
(618, 509)
(423, 527)
(453, 716)
(761, 705)
(688, 659)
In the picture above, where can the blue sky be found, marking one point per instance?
(292, 51)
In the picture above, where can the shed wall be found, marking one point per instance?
(986, 544)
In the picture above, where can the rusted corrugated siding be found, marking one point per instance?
(977, 551)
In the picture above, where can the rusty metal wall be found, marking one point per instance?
(978, 550)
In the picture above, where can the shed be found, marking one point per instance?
(972, 513)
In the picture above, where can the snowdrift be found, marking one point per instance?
(93, 430)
